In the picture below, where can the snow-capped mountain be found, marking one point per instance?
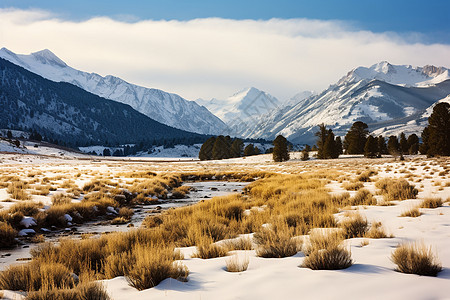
(64, 112)
(167, 108)
(243, 109)
(382, 96)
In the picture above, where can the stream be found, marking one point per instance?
(202, 191)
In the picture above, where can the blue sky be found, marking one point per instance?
(430, 18)
(206, 49)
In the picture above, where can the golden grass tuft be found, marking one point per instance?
(413, 213)
(396, 189)
(352, 186)
(27, 208)
(207, 249)
(17, 189)
(275, 242)
(7, 235)
(90, 290)
(377, 231)
(354, 226)
(431, 203)
(416, 258)
(233, 264)
(326, 252)
(363, 197)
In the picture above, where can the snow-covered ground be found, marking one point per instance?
(373, 274)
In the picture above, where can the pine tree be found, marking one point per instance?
(280, 150)
(257, 151)
(393, 146)
(403, 143)
(413, 144)
(249, 150)
(9, 134)
(206, 149)
(339, 148)
(330, 150)
(439, 130)
(321, 139)
(221, 148)
(237, 148)
(423, 148)
(371, 147)
(381, 145)
(355, 138)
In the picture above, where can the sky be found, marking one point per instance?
(212, 49)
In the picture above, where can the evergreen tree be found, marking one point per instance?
(321, 139)
(237, 148)
(257, 151)
(371, 147)
(330, 149)
(221, 148)
(393, 146)
(339, 148)
(106, 152)
(206, 149)
(413, 144)
(423, 148)
(9, 134)
(438, 142)
(381, 145)
(280, 150)
(249, 150)
(403, 143)
(355, 139)
(314, 148)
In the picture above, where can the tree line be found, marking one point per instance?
(222, 147)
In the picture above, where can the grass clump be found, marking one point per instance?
(377, 231)
(91, 291)
(396, 189)
(207, 249)
(275, 242)
(431, 203)
(239, 244)
(27, 208)
(413, 213)
(352, 186)
(233, 264)
(60, 198)
(363, 197)
(326, 252)
(7, 235)
(417, 259)
(17, 189)
(354, 226)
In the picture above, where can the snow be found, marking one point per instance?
(25, 232)
(28, 222)
(167, 108)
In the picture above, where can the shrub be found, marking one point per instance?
(60, 198)
(206, 249)
(239, 244)
(7, 235)
(326, 252)
(27, 208)
(416, 259)
(17, 189)
(363, 197)
(396, 189)
(91, 291)
(355, 226)
(376, 231)
(413, 213)
(431, 203)
(153, 265)
(275, 243)
(126, 213)
(35, 276)
(233, 264)
(352, 186)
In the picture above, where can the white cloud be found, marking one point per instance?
(214, 57)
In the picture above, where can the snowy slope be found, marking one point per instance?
(381, 96)
(167, 108)
(243, 109)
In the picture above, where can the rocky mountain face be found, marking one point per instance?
(166, 108)
(64, 112)
(384, 96)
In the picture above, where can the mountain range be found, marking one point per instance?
(166, 108)
(62, 111)
(386, 97)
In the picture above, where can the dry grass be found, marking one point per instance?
(17, 189)
(377, 231)
(354, 226)
(27, 208)
(431, 203)
(416, 259)
(207, 249)
(326, 252)
(413, 213)
(275, 242)
(91, 291)
(7, 235)
(233, 264)
(239, 244)
(363, 197)
(352, 186)
(396, 189)
(60, 198)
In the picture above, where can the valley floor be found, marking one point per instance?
(372, 276)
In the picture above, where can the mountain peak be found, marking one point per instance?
(383, 67)
(48, 57)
